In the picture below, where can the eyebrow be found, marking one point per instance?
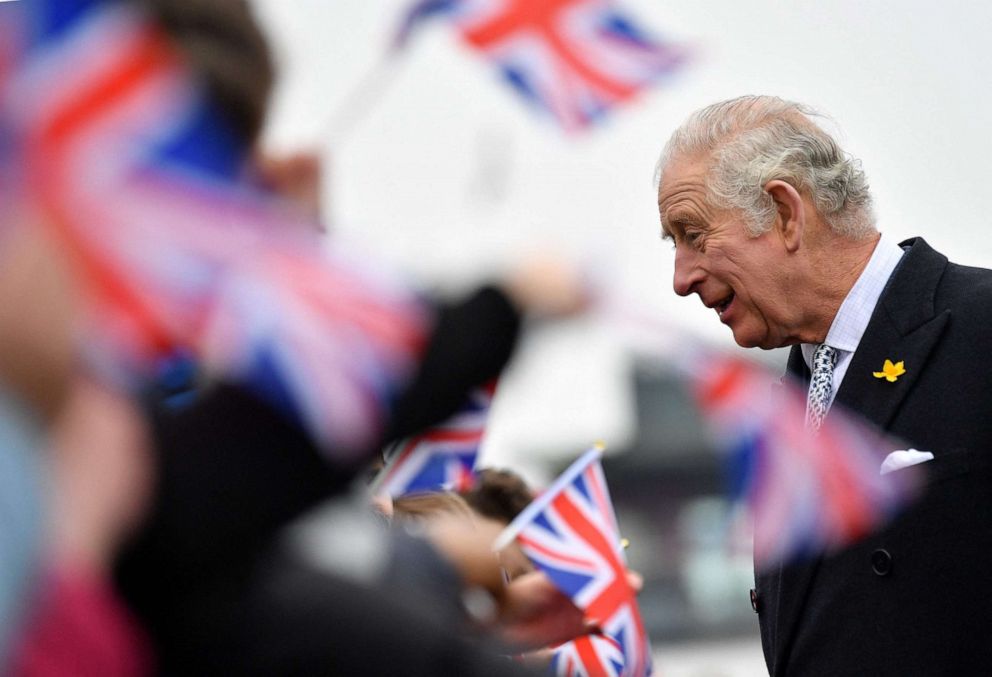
(678, 224)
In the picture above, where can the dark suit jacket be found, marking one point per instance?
(916, 598)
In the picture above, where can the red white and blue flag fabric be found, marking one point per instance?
(442, 458)
(570, 533)
(572, 59)
(593, 655)
(121, 154)
(808, 493)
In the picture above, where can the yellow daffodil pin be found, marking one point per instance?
(890, 372)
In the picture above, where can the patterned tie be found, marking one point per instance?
(820, 385)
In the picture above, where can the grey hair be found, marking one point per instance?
(752, 140)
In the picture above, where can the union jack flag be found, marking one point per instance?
(570, 533)
(592, 655)
(441, 458)
(144, 183)
(573, 59)
(807, 493)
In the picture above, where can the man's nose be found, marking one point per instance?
(687, 272)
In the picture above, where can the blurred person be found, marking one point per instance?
(224, 44)
(415, 507)
(499, 495)
(773, 229)
(473, 337)
(99, 480)
(35, 359)
(72, 482)
(232, 473)
(20, 490)
(463, 540)
(486, 509)
(464, 536)
(221, 489)
(206, 573)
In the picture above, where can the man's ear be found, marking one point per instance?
(791, 212)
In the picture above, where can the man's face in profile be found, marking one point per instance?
(738, 275)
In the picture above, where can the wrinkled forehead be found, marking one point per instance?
(682, 191)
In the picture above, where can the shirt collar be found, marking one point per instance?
(855, 312)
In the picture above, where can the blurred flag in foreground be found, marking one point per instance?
(441, 458)
(589, 656)
(119, 152)
(570, 533)
(573, 59)
(808, 493)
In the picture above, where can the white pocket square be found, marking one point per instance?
(903, 459)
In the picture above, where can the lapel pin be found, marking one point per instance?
(890, 372)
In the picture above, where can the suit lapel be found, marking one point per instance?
(878, 400)
(903, 327)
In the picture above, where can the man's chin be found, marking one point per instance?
(743, 338)
(750, 340)
(746, 343)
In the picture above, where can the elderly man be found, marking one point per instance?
(773, 228)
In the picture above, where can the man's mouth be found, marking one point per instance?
(722, 305)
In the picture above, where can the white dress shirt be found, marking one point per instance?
(852, 319)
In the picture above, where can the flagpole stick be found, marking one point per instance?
(391, 457)
(360, 100)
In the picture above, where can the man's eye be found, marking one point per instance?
(692, 236)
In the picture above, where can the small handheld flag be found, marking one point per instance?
(570, 533)
(442, 458)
